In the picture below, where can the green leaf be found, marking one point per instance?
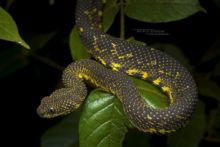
(63, 134)
(9, 30)
(77, 49)
(152, 95)
(102, 121)
(192, 134)
(109, 13)
(160, 10)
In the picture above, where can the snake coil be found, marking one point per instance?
(123, 57)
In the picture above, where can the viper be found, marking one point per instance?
(117, 59)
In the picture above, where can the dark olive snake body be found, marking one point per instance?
(123, 57)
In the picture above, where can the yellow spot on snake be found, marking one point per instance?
(166, 89)
(86, 12)
(80, 76)
(113, 45)
(100, 13)
(102, 61)
(161, 71)
(149, 117)
(153, 62)
(144, 75)
(95, 43)
(163, 131)
(177, 74)
(132, 71)
(157, 81)
(115, 66)
(179, 117)
(83, 76)
(81, 29)
(129, 55)
(94, 10)
(151, 130)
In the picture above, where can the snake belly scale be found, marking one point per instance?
(123, 58)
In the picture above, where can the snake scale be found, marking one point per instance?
(123, 58)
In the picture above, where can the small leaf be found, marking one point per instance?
(109, 13)
(63, 134)
(102, 121)
(191, 135)
(77, 49)
(160, 10)
(9, 30)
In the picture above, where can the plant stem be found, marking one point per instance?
(44, 60)
(122, 20)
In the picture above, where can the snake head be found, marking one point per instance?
(60, 102)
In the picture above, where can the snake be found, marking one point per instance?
(114, 61)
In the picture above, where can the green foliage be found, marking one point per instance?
(102, 121)
(9, 30)
(160, 10)
(78, 51)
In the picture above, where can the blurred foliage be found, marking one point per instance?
(101, 121)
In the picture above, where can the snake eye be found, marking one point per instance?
(51, 110)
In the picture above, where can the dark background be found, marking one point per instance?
(22, 89)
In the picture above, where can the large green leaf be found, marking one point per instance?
(191, 135)
(9, 30)
(102, 121)
(160, 10)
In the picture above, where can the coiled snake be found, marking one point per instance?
(123, 58)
